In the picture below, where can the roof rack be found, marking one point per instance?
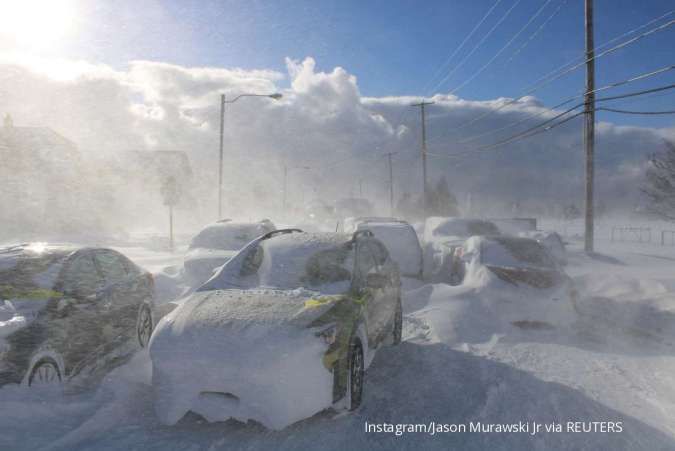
(273, 233)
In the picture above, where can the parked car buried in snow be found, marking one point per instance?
(442, 236)
(217, 243)
(285, 329)
(400, 239)
(551, 241)
(69, 313)
(524, 278)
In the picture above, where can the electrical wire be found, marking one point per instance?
(536, 33)
(557, 74)
(504, 47)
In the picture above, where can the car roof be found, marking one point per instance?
(11, 255)
(320, 239)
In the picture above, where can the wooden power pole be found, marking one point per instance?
(421, 105)
(391, 184)
(589, 126)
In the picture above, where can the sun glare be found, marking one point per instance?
(35, 24)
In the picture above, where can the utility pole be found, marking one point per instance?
(220, 160)
(283, 204)
(589, 126)
(391, 184)
(361, 188)
(422, 104)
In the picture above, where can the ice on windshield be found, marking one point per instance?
(308, 264)
(516, 253)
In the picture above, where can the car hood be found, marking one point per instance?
(237, 311)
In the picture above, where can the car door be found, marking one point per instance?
(388, 295)
(365, 264)
(119, 298)
(75, 326)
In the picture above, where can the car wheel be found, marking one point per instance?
(45, 373)
(397, 331)
(356, 373)
(144, 324)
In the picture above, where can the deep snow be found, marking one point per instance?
(616, 364)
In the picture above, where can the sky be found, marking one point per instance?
(392, 47)
(115, 76)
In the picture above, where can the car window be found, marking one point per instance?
(112, 266)
(380, 252)
(81, 277)
(252, 261)
(327, 266)
(365, 262)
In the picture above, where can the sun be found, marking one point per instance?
(35, 24)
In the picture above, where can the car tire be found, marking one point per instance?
(144, 324)
(356, 374)
(397, 331)
(45, 373)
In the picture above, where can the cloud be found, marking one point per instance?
(322, 122)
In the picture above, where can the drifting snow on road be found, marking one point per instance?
(459, 365)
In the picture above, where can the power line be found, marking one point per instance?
(443, 66)
(568, 100)
(477, 46)
(556, 74)
(613, 110)
(544, 126)
(536, 32)
(507, 45)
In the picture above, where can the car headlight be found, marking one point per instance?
(328, 334)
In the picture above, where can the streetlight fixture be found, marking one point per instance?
(223, 101)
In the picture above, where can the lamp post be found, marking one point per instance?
(223, 101)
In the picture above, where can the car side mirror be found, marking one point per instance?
(376, 281)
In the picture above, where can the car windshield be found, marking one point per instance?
(465, 228)
(227, 237)
(516, 253)
(307, 265)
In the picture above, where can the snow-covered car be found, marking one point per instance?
(69, 313)
(284, 330)
(349, 225)
(524, 279)
(551, 241)
(217, 243)
(442, 236)
(401, 241)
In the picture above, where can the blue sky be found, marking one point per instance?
(393, 47)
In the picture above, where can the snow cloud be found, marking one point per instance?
(322, 122)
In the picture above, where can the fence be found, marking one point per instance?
(631, 234)
(667, 237)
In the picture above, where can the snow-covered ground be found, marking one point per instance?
(455, 367)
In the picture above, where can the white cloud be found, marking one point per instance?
(321, 120)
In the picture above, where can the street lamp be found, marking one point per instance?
(223, 101)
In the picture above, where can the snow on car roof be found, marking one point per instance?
(228, 235)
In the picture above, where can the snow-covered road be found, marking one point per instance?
(617, 364)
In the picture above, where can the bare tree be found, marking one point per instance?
(659, 187)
